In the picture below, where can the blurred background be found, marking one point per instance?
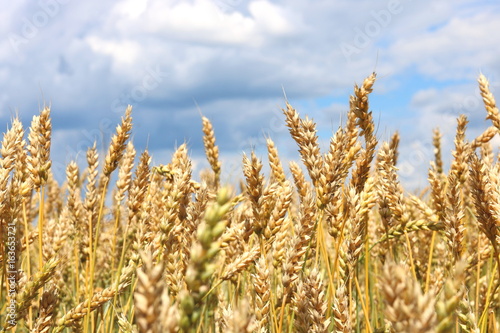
(234, 59)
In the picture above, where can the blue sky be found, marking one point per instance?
(233, 58)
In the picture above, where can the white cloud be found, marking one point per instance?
(202, 21)
(455, 50)
(233, 57)
(270, 18)
(131, 9)
(123, 53)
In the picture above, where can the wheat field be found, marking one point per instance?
(330, 243)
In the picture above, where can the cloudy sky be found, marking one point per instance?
(234, 58)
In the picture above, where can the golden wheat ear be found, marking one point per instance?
(489, 101)
(211, 150)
